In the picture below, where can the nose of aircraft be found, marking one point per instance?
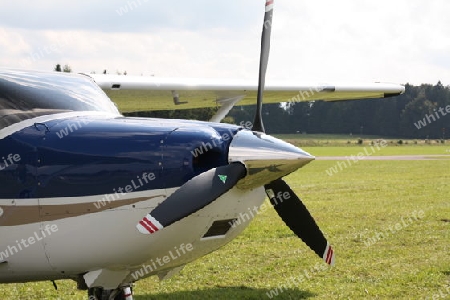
(265, 157)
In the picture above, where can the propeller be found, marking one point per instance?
(263, 62)
(297, 217)
(201, 190)
(205, 188)
(287, 204)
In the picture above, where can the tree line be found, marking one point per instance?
(421, 112)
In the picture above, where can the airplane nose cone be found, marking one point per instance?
(265, 157)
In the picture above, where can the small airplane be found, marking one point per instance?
(106, 200)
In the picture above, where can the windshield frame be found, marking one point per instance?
(25, 95)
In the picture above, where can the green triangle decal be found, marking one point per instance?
(223, 178)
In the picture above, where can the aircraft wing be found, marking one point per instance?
(133, 93)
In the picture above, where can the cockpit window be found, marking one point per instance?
(25, 95)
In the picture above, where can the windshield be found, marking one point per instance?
(25, 95)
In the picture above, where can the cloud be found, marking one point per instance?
(312, 41)
(125, 15)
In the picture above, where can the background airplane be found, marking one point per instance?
(89, 195)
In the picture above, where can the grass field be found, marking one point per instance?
(340, 140)
(374, 151)
(389, 222)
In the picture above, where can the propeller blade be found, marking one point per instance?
(297, 217)
(264, 59)
(192, 196)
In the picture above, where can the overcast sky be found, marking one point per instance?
(312, 41)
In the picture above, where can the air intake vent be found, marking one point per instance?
(206, 159)
(219, 228)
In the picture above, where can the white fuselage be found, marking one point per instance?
(107, 242)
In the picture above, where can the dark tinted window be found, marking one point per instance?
(25, 95)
